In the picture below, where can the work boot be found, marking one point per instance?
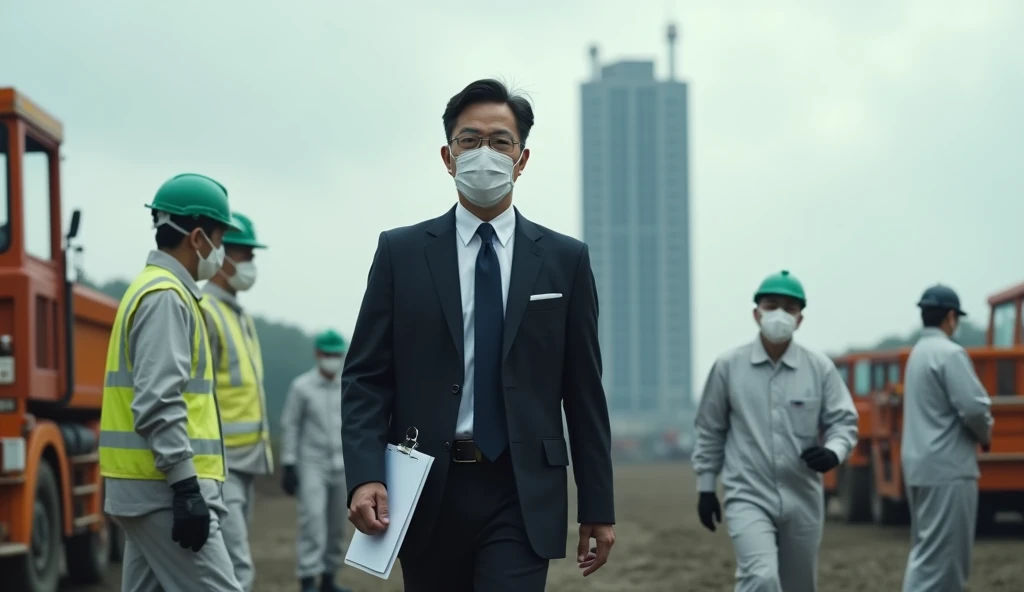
(327, 584)
(307, 584)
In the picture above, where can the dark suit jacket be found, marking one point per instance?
(405, 366)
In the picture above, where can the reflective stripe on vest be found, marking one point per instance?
(239, 375)
(124, 454)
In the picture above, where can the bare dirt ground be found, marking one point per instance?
(661, 548)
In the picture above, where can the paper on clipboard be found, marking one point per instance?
(406, 472)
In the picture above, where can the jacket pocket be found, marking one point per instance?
(556, 452)
(803, 416)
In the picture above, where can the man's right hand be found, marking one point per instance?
(191, 515)
(708, 508)
(369, 509)
(290, 480)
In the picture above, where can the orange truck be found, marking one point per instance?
(53, 342)
(869, 485)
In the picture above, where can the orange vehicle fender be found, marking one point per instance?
(46, 434)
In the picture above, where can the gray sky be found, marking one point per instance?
(872, 148)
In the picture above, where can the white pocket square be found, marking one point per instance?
(545, 296)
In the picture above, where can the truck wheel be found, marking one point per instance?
(854, 493)
(38, 570)
(88, 555)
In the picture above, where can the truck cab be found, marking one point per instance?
(53, 341)
(1004, 324)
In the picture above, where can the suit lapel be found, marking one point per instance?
(443, 261)
(527, 257)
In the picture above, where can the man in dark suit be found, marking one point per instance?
(476, 328)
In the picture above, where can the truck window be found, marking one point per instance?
(877, 376)
(844, 372)
(1004, 320)
(894, 373)
(5, 191)
(35, 176)
(862, 378)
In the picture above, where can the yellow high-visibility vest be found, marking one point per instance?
(124, 454)
(239, 374)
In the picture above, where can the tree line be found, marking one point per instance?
(970, 335)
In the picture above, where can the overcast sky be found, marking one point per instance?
(872, 148)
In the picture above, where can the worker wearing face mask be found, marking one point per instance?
(774, 416)
(946, 417)
(235, 347)
(314, 466)
(161, 450)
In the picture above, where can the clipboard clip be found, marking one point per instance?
(410, 442)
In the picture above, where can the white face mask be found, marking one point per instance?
(330, 365)
(245, 275)
(208, 266)
(484, 176)
(777, 325)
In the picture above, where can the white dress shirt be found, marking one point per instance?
(468, 246)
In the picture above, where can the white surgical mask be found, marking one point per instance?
(777, 325)
(245, 275)
(484, 176)
(208, 266)
(330, 365)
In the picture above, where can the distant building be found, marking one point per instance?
(636, 219)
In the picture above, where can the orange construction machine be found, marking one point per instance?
(869, 485)
(53, 343)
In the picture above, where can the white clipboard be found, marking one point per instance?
(405, 472)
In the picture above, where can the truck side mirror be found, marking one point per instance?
(76, 219)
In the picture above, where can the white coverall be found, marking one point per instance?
(244, 463)
(311, 441)
(945, 417)
(152, 561)
(755, 419)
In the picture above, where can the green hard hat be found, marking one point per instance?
(781, 284)
(189, 194)
(245, 236)
(331, 342)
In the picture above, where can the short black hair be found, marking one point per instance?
(489, 91)
(933, 316)
(168, 237)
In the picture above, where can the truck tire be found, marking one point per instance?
(88, 555)
(39, 569)
(854, 494)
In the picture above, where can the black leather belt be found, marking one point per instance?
(465, 451)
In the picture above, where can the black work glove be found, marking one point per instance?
(707, 508)
(820, 459)
(191, 515)
(290, 480)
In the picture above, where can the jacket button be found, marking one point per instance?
(447, 446)
(455, 389)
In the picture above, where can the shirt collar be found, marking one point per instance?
(759, 356)
(166, 261)
(323, 380)
(221, 294)
(466, 224)
(933, 332)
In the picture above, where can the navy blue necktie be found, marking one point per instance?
(490, 430)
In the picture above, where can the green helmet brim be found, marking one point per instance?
(197, 211)
(244, 242)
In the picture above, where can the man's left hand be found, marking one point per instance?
(590, 558)
(820, 459)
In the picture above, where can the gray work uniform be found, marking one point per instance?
(160, 347)
(945, 417)
(754, 420)
(311, 441)
(245, 463)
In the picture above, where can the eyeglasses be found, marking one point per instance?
(502, 144)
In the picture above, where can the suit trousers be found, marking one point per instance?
(480, 542)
